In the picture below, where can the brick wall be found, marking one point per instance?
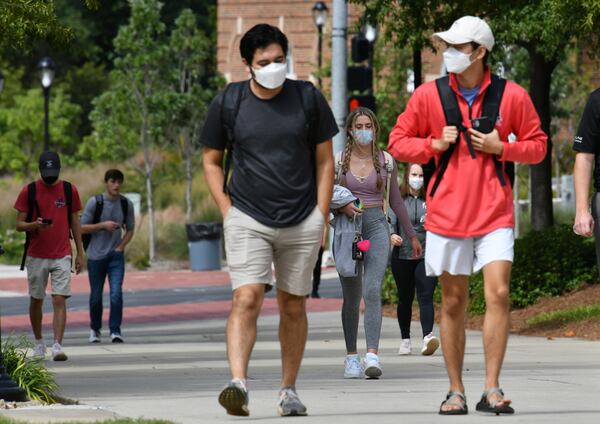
(294, 18)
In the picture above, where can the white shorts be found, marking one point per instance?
(464, 256)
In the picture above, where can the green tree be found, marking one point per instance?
(192, 89)
(22, 22)
(21, 130)
(133, 113)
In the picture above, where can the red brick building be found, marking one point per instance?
(294, 18)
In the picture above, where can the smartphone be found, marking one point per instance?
(358, 203)
(46, 221)
(483, 124)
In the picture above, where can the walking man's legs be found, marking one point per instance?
(97, 276)
(60, 317)
(496, 277)
(35, 316)
(454, 303)
(241, 327)
(293, 329)
(116, 273)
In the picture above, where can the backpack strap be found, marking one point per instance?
(308, 99)
(230, 107)
(453, 118)
(68, 189)
(124, 210)
(491, 108)
(389, 167)
(32, 206)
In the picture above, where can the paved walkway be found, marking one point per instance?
(173, 365)
(175, 371)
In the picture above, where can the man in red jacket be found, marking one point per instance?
(470, 216)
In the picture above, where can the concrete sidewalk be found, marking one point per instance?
(175, 371)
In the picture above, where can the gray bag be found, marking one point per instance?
(345, 231)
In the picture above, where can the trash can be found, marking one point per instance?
(204, 243)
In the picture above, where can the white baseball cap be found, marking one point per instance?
(466, 30)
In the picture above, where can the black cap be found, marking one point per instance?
(49, 164)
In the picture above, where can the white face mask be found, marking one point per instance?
(271, 76)
(363, 137)
(415, 182)
(456, 62)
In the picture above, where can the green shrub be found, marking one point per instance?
(30, 374)
(389, 291)
(565, 315)
(547, 263)
(12, 242)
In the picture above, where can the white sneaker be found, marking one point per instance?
(94, 336)
(430, 344)
(372, 366)
(352, 367)
(405, 347)
(58, 354)
(39, 351)
(116, 338)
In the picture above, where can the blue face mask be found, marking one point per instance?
(363, 136)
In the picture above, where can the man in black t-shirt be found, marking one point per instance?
(587, 148)
(275, 204)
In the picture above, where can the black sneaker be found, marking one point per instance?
(234, 398)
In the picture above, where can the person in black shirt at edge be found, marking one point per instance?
(587, 157)
(274, 207)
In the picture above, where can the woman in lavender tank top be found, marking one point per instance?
(363, 171)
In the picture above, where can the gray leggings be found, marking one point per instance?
(368, 282)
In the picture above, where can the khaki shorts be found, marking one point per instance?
(252, 247)
(38, 271)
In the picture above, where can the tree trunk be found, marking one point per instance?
(189, 176)
(149, 193)
(417, 66)
(541, 174)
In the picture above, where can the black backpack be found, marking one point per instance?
(230, 107)
(86, 238)
(491, 109)
(32, 205)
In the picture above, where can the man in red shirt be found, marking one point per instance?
(470, 216)
(49, 251)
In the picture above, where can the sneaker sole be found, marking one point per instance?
(59, 357)
(404, 353)
(95, 341)
(431, 347)
(291, 413)
(117, 340)
(350, 376)
(373, 373)
(233, 400)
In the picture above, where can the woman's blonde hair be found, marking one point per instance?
(351, 142)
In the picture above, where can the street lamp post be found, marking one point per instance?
(319, 11)
(9, 390)
(46, 68)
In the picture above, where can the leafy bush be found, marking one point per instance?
(547, 263)
(12, 242)
(30, 374)
(389, 291)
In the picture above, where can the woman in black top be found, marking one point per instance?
(409, 272)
